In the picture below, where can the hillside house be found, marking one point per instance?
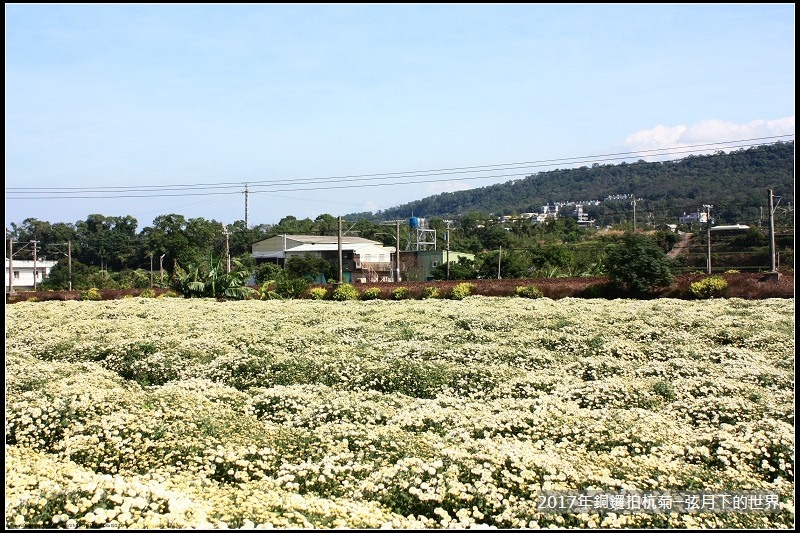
(362, 259)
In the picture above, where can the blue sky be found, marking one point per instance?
(336, 108)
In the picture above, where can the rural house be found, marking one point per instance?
(363, 260)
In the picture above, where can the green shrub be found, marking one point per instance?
(710, 287)
(168, 294)
(401, 293)
(148, 293)
(430, 292)
(91, 294)
(318, 293)
(291, 287)
(664, 389)
(639, 264)
(345, 291)
(373, 293)
(528, 291)
(461, 291)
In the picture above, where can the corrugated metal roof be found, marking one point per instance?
(333, 247)
(327, 239)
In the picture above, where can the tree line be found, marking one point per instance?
(734, 182)
(111, 251)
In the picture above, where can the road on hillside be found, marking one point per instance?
(681, 246)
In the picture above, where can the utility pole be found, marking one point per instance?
(633, 203)
(151, 270)
(499, 256)
(708, 237)
(397, 251)
(161, 267)
(448, 250)
(34, 264)
(246, 211)
(339, 242)
(771, 233)
(227, 249)
(772, 251)
(10, 265)
(69, 263)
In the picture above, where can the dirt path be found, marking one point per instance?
(680, 246)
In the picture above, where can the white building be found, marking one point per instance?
(22, 277)
(362, 259)
(700, 217)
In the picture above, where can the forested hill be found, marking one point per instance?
(735, 183)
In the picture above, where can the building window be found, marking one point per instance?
(16, 274)
(435, 264)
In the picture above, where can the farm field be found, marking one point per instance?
(193, 413)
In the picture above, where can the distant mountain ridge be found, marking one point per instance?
(735, 183)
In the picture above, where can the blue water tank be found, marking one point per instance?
(413, 222)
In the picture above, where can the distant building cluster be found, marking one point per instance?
(618, 197)
(555, 209)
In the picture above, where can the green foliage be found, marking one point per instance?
(287, 287)
(147, 293)
(513, 264)
(373, 293)
(639, 264)
(135, 279)
(528, 291)
(461, 291)
(664, 389)
(209, 280)
(464, 268)
(318, 293)
(401, 293)
(268, 292)
(267, 272)
(431, 292)
(711, 287)
(168, 294)
(665, 239)
(91, 294)
(309, 267)
(752, 237)
(345, 291)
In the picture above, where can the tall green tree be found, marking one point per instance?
(639, 264)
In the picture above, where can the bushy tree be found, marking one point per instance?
(639, 264)
(266, 272)
(464, 268)
(309, 267)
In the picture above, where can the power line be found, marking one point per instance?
(265, 186)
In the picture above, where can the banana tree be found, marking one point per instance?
(211, 281)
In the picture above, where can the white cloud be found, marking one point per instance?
(706, 132)
(448, 186)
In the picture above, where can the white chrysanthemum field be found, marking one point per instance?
(173, 413)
